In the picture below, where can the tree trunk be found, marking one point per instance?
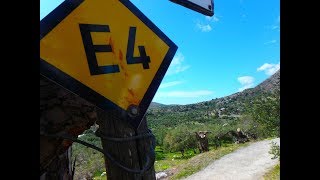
(60, 168)
(60, 112)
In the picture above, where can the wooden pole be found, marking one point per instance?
(131, 154)
(144, 147)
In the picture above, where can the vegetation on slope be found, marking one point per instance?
(255, 111)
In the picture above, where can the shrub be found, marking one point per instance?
(275, 150)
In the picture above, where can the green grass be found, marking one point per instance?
(273, 174)
(202, 160)
(100, 177)
(167, 160)
(90, 163)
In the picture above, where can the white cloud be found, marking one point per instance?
(269, 69)
(246, 82)
(177, 65)
(215, 19)
(271, 42)
(170, 84)
(276, 25)
(212, 18)
(204, 28)
(209, 18)
(264, 67)
(278, 21)
(184, 94)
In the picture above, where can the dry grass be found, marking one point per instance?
(202, 160)
(273, 174)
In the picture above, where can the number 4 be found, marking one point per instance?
(144, 59)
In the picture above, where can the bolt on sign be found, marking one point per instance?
(107, 52)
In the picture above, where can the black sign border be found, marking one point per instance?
(49, 22)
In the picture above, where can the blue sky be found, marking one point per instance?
(237, 48)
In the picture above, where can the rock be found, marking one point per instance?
(161, 175)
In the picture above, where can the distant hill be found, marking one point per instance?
(156, 105)
(228, 107)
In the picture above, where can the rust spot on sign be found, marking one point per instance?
(112, 45)
(131, 98)
(120, 55)
(131, 92)
(121, 60)
(126, 75)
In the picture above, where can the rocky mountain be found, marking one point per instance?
(271, 84)
(228, 107)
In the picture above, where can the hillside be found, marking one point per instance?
(271, 84)
(221, 109)
(156, 105)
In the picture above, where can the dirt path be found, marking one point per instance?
(249, 163)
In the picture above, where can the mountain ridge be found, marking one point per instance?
(270, 85)
(227, 107)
